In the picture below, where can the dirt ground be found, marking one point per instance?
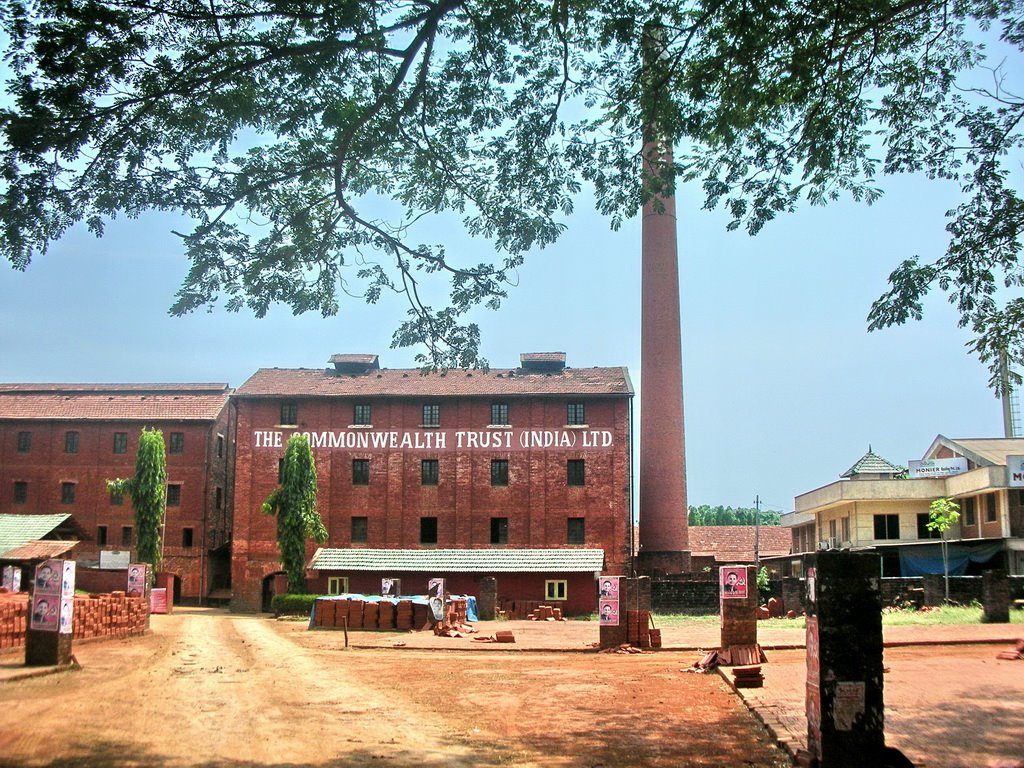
(212, 689)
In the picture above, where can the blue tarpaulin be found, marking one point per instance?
(923, 561)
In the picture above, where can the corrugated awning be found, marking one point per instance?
(460, 560)
(39, 550)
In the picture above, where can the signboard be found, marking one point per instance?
(115, 559)
(137, 580)
(733, 582)
(12, 578)
(813, 699)
(158, 600)
(1015, 471)
(936, 467)
(608, 601)
(53, 596)
(435, 598)
(435, 440)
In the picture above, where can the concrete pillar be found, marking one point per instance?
(995, 597)
(487, 600)
(633, 594)
(738, 601)
(845, 712)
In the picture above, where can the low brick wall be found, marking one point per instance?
(109, 615)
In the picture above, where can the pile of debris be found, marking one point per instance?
(747, 676)
(545, 613)
(498, 637)
(1017, 654)
(625, 648)
(745, 657)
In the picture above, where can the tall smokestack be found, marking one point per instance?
(663, 513)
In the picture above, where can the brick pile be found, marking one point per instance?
(13, 619)
(106, 615)
(640, 631)
(385, 614)
(110, 615)
(545, 613)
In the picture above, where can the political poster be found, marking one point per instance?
(733, 581)
(608, 601)
(137, 580)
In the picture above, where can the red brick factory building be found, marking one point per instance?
(60, 443)
(522, 475)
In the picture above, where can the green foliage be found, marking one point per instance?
(943, 515)
(764, 584)
(294, 504)
(279, 129)
(719, 515)
(292, 604)
(148, 491)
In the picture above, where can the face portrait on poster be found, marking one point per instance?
(137, 579)
(734, 582)
(48, 575)
(608, 612)
(67, 615)
(45, 610)
(390, 587)
(609, 586)
(435, 597)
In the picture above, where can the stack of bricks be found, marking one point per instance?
(385, 614)
(545, 613)
(638, 629)
(13, 619)
(108, 615)
(111, 615)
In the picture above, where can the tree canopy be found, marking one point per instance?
(704, 514)
(305, 141)
(294, 504)
(147, 489)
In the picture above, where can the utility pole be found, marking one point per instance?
(757, 533)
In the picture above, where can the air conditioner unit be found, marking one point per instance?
(824, 544)
(833, 543)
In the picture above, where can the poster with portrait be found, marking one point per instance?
(733, 581)
(137, 579)
(12, 578)
(67, 581)
(45, 611)
(608, 612)
(48, 576)
(435, 597)
(390, 587)
(67, 615)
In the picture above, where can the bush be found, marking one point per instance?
(292, 605)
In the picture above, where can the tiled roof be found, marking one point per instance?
(981, 450)
(460, 560)
(17, 530)
(412, 382)
(735, 543)
(113, 402)
(873, 464)
(39, 550)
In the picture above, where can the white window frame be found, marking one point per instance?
(337, 585)
(556, 589)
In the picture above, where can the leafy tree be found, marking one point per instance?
(305, 141)
(943, 515)
(148, 491)
(294, 503)
(707, 515)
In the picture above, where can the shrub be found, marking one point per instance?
(292, 605)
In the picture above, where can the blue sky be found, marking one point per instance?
(784, 388)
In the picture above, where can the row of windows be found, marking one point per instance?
(575, 532)
(175, 442)
(887, 527)
(430, 471)
(68, 491)
(362, 414)
(103, 536)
